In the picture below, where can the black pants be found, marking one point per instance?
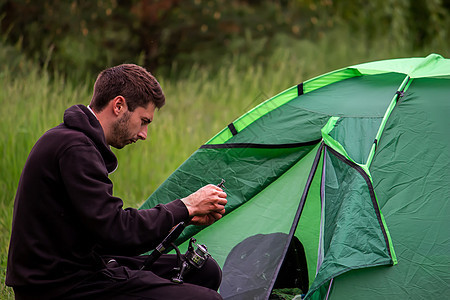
(124, 280)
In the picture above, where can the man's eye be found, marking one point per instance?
(145, 122)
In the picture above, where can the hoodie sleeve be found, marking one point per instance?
(90, 192)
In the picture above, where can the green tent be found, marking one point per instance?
(354, 164)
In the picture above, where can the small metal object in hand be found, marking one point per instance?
(221, 183)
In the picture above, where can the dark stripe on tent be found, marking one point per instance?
(371, 192)
(261, 146)
(297, 217)
(300, 89)
(232, 129)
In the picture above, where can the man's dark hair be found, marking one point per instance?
(137, 85)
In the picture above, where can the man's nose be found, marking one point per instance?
(143, 133)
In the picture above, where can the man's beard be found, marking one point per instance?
(120, 134)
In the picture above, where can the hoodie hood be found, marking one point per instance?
(78, 117)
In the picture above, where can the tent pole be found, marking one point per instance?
(329, 288)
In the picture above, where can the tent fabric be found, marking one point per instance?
(433, 65)
(238, 165)
(351, 233)
(411, 174)
(354, 163)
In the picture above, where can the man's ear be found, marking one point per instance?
(119, 105)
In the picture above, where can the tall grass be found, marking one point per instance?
(199, 104)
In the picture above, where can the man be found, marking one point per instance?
(71, 238)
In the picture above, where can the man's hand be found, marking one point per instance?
(206, 205)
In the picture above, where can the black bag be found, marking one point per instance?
(294, 270)
(250, 267)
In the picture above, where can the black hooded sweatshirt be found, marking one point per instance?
(65, 213)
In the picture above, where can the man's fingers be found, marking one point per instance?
(221, 198)
(219, 206)
(208, 199)
(222, 194)
(215, 187)
(222, 201)
(216, 215)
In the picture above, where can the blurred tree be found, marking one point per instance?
(79, 37)
(71, 36)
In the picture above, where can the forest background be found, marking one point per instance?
(214, 59)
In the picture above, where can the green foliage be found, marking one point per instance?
(73, 37)
(82, 37)
(286, 294)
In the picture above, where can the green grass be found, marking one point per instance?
(199, 104)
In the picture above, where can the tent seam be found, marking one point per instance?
(260, 146)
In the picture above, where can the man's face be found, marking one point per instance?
(131, 126)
